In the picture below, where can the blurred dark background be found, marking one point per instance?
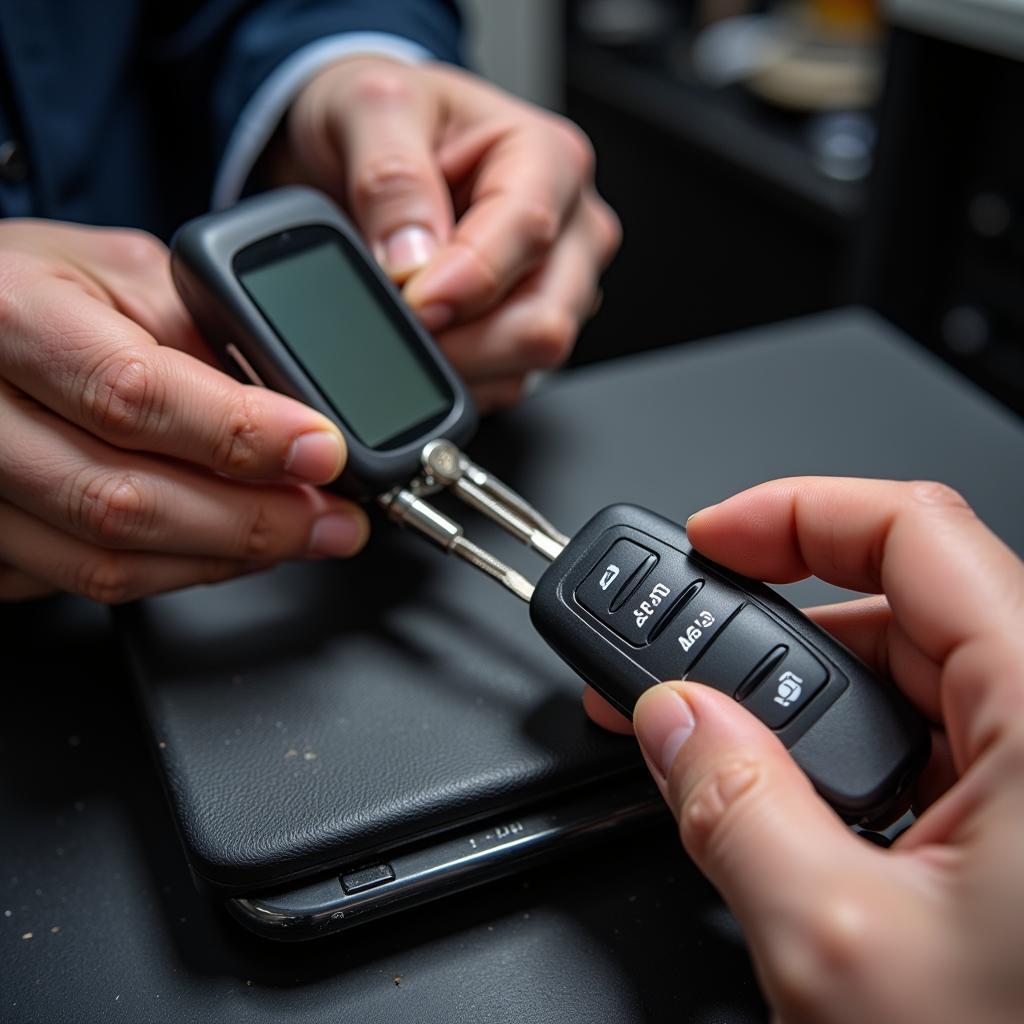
(771, 159)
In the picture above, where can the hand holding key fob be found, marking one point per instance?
(629, 604)
(285, 290)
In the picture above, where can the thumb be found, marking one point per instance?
(395, 189)
(747, 815)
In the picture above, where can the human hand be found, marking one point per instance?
(841, 930)
(481, 205)
(128, 465)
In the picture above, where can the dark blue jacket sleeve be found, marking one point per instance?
(271, 31)
(123, 109)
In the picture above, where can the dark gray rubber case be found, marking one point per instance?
(202, 255)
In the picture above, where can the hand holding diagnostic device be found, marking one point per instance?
(294, 300)
(284, 289)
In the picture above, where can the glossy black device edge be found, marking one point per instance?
(203, 252)
(461, 858)
(862, 781)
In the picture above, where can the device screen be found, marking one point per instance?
(340, 324)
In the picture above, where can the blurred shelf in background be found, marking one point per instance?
(738, 211)
(769, 147)
(730, 218)
(943, 247)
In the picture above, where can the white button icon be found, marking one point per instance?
(608, 577)
(789, 689)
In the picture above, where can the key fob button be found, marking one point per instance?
(628, 588)
(726, 663)
(617, 572)
(670, 581)
(788, 688)
(691, 630)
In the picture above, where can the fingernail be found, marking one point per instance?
(316, 456)
(408, 249)
(663, 723)
(337, 533)
(699, 512)
(436, 317)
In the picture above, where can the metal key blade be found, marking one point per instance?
(494, 567)
(408, 509)
(446, 465)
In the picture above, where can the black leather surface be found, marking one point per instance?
(320, 712)
(627, 933)
(91, 870)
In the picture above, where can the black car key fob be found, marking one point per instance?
(628, 604)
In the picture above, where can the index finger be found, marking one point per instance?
(955, 590)
(106, 374)
(946, 575)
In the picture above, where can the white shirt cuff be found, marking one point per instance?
(267, 105)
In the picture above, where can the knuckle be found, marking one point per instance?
(537, 224)
(840, 932)
(550, 338)
(386, 176)
(240, 443)
(712, 803)
(109, 508)
(121, 395)
(259, 536)
(937, 494)
(106, 579)
(383, 85)
(137, 249)
(609, 229)
(577, 146)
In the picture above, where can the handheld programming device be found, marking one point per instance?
(284, 288)
(296, 302)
